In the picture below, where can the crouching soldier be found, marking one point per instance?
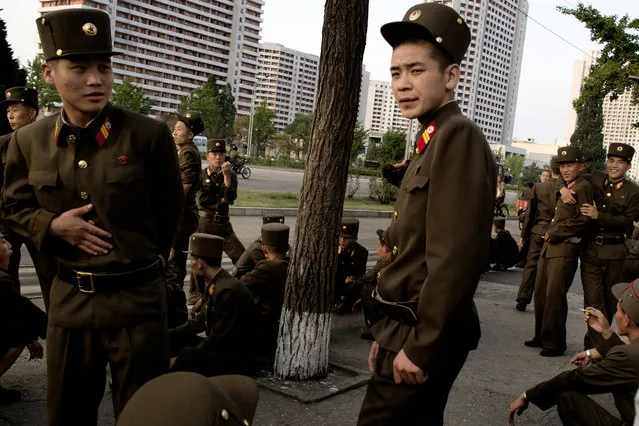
(504, 252)
(351, 263)
(254, 253)
(227, 316)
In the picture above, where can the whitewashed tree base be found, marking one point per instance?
(302, 350)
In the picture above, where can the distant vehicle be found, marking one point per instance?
(200, 142)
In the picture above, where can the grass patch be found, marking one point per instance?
(249, 198)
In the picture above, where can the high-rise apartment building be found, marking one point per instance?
(382, 111)
(171, 47)
(581, 70)
(287, 81)
(487, 90)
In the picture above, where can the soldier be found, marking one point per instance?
(351, 263)
(218, 190)
(426, 293)
(616, 372)
(100, 187)
(559, 257)
(540, 212)
(21, 323)
(22, 109)
(254, 253)
(504, 252)
(227, 316)
(615, 208)
(631, 264)
(267, 282)
(191, 399)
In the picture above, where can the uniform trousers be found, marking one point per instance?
(176, 271)
(577, 409)
(527, 285)
(45, 265)
(554, 278)
(232, 247)
(387, 403)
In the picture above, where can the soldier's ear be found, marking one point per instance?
(48, 73)
(452, 73)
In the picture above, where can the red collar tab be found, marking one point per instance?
(104, 132)
(426, 137)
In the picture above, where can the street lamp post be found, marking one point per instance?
(249, 144)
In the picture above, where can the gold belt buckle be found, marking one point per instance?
(81, 287)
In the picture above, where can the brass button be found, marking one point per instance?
(225, 414)
(553, 220)
(246, 422)
(84, 195)
(395, 215)
(395, 250)
(83, 164)
(208, 181)
(604, 206)
(71, 139)
(609, 195)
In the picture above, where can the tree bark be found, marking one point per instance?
(305, 324)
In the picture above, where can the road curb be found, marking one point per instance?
(292, 212)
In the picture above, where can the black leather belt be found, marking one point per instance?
(217, 218)
(89, 283)
(601, 240)
(403, 312)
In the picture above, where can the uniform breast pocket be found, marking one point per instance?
(46, 187)
(124, 175)
(125, 189)
(415, 183)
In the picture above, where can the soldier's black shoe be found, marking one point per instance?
(9, 396)
(534, 343)
(552, 352)
(521, 306)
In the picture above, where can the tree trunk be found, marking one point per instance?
(305, 324)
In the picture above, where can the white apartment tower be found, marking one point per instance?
(382, 112)
(487, 90)
(171, 47)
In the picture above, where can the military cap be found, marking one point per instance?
(627, 294)
(72, 32)
(189, 399)
(275, 234)
(193, 121)
(206, 245)
(20, 95)
(349, 227)
(569, 154)
(272, 218)
(216, 145)
(433, 22)
(621, 150)
(499, 221)
(384, 236)
(553, 162)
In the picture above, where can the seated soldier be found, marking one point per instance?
(267, 282)
(617, 371)
(631, 263)
(253, 253)
(363, 287)
(21, 323)
(504, 251)
(351, 263)
(227, 317)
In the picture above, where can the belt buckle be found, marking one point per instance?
(216, 218)
(81, 277)
(599, 240)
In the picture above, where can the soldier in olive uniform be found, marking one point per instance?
(22, 109)
(351, 263)
(615, 208)
(218, 190)
(540, 212)
(228, 317)
(100, 187)
(267, 282)
(631, 263)
(426, 292)
(559, 257)
(254, 253)
(504, 252)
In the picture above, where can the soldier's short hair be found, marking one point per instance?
(276, 249)
(213, 262)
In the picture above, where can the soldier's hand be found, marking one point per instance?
(596, 320)
(226, 168)
(580, 360)
(371, 356)
(71, 227)
(348, 280)
(196, 308)
(517, 406)
(521, 243)
(171, 255)
(567, 196)
(405, 371)
(36, 350)
(403, 163)
(589, 210)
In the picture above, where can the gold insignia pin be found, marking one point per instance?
(225, 414)
(58, 52)
(460, 20)
(188, 115)
(439, 39)
(44, 21)
(344, 228)
(217, 144)
(90, 29)
(416, 14)
(620, 148)
(8, 94)
(564, 153)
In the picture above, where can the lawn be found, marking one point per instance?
(249, 198)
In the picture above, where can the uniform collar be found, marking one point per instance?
(99, 128)
(617, 184)
(431, 122)
(574, 181)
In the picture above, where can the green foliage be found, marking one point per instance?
(530, 174)
(588, 135)
(240, 130)
(515, 163)
(391, 149)
(382, 191)
(131, 97)
(371, 152)
(283, 144)
(216, 107)
(226, 120)
(48, 96)
(359, 141)
(11, 74)
(263, 128)
(300, 131)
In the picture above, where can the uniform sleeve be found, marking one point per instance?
(24, 215)
(610, 373)
(576, 225)
(529, 216)
(456, 228)
(605, 345)
(622, 222)
(189, 167)
(360, 263)
(227, 311)
(249, 259)
(231, 193)
(165, 189)
(258, 277)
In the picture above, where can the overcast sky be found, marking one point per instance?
(546, 75)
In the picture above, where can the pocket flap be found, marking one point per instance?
(124, 174)
(41, 178)
(416, 182)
